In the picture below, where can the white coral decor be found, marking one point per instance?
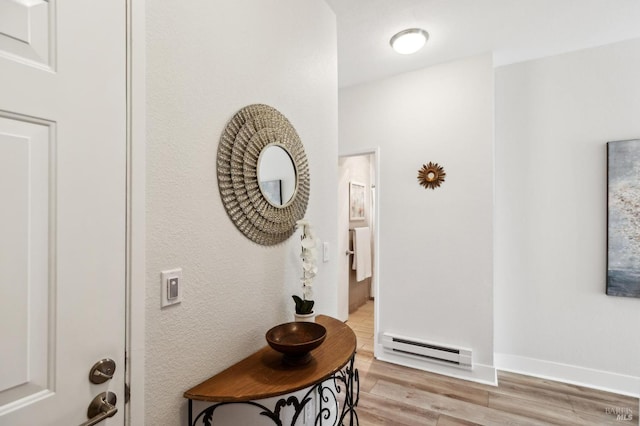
(309, 243)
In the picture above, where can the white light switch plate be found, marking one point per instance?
(171, 287)
(325, 252)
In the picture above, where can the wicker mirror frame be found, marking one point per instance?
(251, 130)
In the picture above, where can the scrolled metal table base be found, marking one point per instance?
(329, 394)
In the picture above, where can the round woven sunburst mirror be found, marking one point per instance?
(431, 175)
(250, 131)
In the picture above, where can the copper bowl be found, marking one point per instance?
(295, 340)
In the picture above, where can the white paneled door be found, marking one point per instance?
(62, 208)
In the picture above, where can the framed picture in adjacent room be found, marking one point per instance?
(356, 201)
(272, 189)
(623, 218)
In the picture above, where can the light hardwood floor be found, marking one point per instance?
(399, 396)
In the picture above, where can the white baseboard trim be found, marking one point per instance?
(596, 379)
(480, 373)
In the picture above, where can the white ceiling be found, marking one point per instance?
(514, 30)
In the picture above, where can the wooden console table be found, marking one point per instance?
(263, 375)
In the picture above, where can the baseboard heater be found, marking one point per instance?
(448, 355)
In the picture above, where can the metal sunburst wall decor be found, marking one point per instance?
(431, 175)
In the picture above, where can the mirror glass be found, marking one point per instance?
(277, 175)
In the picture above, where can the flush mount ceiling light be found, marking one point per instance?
(409, 41)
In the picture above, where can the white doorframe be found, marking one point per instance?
(136, 185)
(376, 236)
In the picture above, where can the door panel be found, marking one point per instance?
(26, 31)
(25, 179)
(62, 215)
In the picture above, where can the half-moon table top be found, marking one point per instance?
(263, 374)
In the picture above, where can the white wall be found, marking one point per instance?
(205, 61)
(436, 246)
(553, 119)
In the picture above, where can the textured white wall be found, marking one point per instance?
(205, 61)
(436, 246)
(553, 119)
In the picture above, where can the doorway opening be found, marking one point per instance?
(358, 218)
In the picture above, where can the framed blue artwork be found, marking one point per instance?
(623, 218)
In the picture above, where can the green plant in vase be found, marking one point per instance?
(308, 254)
